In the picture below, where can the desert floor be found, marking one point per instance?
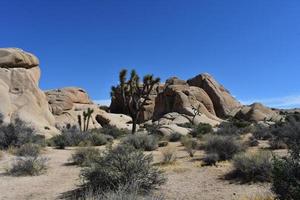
(187, 179)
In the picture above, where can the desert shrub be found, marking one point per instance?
(190, 145)
(74, 137)
(28, 166)
(187, 125)
(253, 167)
(252, 142)
(163, 143)
(262, 132)
(224, 146)
(201, 129)
(153, 129)
(114, 131)
(84, 156)
(277, 144)
(122, 193)
(1, 155)
(169, 155)
(174, 137)
(286, 171)
(16, 134)
(120, 166)
(28, 149)
(286, 178)
(227, 128)
(210, 159)
(141, 141)
(97, 139)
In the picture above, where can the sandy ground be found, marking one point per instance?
(187, 179)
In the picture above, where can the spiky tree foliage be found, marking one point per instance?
(86, 119)
(134, 94)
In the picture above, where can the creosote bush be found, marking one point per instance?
(210, 159)
(120, 166)
(84, 156)
(28, 149)
(74, 137)
(113, 131)
(28, 166)
(18, 133)
(201, 129)
(174, 137)
(142, 141)
(253, 167)
(224, 146)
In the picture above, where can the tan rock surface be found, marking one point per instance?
(224, 103)
(20, 95)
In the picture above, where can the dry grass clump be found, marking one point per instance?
(169, 155)
(28, 149)
(28, 166)
(190, 145)
(84, 156)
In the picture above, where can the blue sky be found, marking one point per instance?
(251, 46)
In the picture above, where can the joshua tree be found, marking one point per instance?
(133, 93)
(86, 119)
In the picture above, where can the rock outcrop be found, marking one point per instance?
(67, 103)
(179, 97)
(20, 95)
(224, 103)
(257, 112)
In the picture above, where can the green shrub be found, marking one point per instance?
(174, 137)
(74, 137)
(227, 129)
(201, 129)
(18, 133)
(85, 156)
(122, 193)
(224, 146)
(28, 149)
(114, 131)
(286, 178)
(210, 159)
(253, 167)
(28, 166)
(252, 142)
(141, 141)
(286, 171)
(262, 132)
(187, 125)
(120, 166)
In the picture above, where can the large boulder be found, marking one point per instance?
(68, 103)
(257, 112)
(20, 95)
(224, 103)
(63, 99)
(179, 97)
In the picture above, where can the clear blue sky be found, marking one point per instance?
(250, 46)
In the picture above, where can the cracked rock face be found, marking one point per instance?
(20, 95)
